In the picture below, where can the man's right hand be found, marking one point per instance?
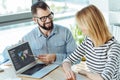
(47, 58)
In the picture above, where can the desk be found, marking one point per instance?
(57, 74)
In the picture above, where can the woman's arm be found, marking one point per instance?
(68, 71)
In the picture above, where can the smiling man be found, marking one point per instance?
(49, 41)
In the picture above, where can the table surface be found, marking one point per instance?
(57, 74)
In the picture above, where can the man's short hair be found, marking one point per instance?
(39, 4)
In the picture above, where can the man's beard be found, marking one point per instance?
(46, 28)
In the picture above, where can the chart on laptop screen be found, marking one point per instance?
(20, 56)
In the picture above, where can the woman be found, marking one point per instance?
(101, 49)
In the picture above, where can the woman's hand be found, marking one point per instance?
(70, 75)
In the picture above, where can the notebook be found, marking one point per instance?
(25, 64)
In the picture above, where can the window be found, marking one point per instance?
(11, 15)
(14, 11)
(66, 7)
(16, 20)
(9, 7)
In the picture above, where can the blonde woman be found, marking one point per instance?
(101, 49)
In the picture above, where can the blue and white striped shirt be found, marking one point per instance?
(104, 59)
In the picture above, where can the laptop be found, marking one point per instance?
(25, 64)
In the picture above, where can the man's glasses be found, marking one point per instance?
(44, 18)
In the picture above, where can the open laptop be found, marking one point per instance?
(25, 64)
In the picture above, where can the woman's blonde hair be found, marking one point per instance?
(93, 19)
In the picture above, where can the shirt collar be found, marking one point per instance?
(39, 32)
(54, 31)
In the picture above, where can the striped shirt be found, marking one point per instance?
(104, 59)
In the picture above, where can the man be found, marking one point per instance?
(50, 42)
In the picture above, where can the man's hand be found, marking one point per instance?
(47, 58)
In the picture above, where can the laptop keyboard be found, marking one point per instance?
(41, 73)
(34, 69)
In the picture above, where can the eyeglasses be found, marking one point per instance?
(44, 18)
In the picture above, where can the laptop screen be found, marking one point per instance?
(20, 55)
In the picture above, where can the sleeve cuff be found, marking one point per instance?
(59, 58)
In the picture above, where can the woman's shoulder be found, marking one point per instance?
(87, 41)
